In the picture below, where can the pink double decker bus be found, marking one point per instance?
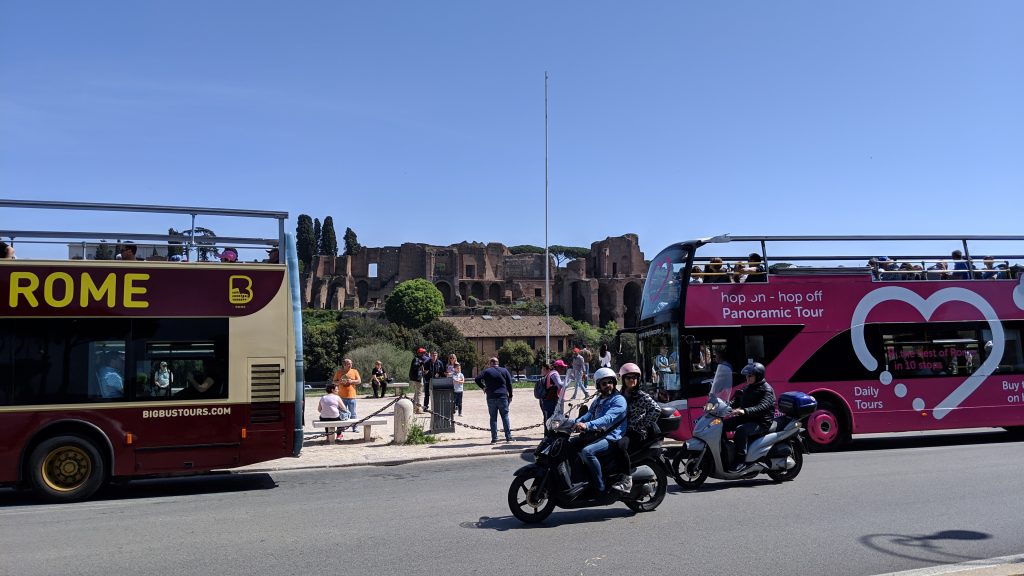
(925, 337)
(157, 355)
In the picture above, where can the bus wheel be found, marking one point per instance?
(826, 427)
(65, 469)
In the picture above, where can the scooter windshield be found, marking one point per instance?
(721, 386)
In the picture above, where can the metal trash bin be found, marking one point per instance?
(442, 404)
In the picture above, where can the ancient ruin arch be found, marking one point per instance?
(363, 292)
(495, 292)
(579, 301)
(477, 291)
(464, 291)
(631, 295)
(606, 303)
(446, 292)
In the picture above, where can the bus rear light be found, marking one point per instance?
(129, 438)
(244, 432)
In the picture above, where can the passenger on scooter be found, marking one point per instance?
(608, 411)
(643, 412)
(753, 411)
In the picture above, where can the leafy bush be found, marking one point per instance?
(396, 361)
(319, 351)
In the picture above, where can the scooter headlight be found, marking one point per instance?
(709, 407)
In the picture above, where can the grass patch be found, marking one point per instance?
(418, 436)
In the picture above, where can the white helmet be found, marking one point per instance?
(603, 373)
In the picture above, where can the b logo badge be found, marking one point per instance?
(240, 289)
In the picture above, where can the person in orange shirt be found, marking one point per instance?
(347, 379)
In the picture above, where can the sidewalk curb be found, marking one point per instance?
(381, 463)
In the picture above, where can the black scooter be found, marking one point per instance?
(559, 478)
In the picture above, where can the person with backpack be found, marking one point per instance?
(547, 391)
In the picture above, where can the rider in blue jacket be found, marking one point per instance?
(607, 412)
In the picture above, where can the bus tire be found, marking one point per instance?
(828, 427)
(66, 469)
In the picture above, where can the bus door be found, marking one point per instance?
(703, 350)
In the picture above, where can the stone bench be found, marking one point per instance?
(342, 424)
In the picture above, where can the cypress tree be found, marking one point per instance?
(352, 246)
(328, 239)
(305, 243)
(317, 232)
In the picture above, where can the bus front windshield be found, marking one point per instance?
(663, 287)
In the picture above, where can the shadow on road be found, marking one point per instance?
(923, 548)
(558, 518)
(715, 486)
(213, 483)
(995, 436)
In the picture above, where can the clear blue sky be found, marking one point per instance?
(414, 121)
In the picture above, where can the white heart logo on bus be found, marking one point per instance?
(926, 307)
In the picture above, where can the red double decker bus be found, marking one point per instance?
(923, 339)
(161, 364)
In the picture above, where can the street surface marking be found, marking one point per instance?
(1000, 566)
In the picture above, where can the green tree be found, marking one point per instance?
(583, 333)
(414, 303)
(317, 235)
(305, 242)
(319, 351)
(103, 251)
(355, 332)
(352, 246)
(516, 354)
(526, 249)
(206, 241)
(174, 247)
(565, 253)
(328, 239)
(446, 339)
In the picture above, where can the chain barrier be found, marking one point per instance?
(520, 429)
(316, 435)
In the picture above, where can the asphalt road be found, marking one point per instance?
(886, 505)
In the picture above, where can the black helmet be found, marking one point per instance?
(754, 368)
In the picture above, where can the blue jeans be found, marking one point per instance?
(495, 405)
(350, 405)
(589, 456)
(547, 407)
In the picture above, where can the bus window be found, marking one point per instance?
(60, 361)
(180, 359)
(5, 368)
(706, 354)
(1013, 355)
(920, 351)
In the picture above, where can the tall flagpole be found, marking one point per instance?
(547, 258)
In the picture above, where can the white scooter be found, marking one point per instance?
(779, 453)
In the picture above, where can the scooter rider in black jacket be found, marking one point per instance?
(753, 411)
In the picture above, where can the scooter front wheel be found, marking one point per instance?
(691, 469)
(529, 500)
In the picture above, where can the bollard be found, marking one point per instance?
(331, 436)
(403, 420)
